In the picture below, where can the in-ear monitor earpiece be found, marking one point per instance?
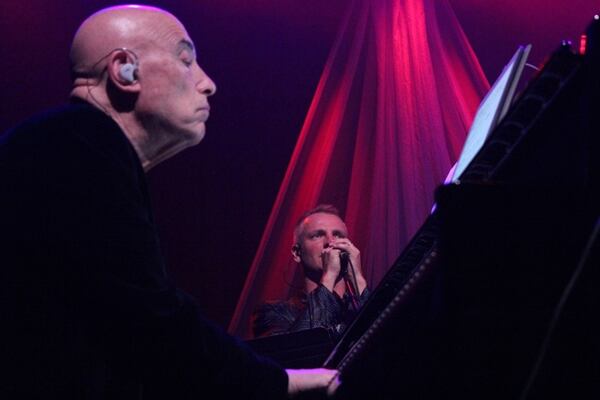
(127, 72)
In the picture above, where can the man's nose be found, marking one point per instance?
(206, 85)
(328, 239)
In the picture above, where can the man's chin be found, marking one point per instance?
(194, 137)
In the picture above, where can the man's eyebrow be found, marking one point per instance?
(185, 44)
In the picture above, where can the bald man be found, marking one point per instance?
(88, 310)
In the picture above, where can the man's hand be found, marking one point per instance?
(330, 258)
(344, 244)
(319, 379)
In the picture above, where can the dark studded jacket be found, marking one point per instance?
(319, 308)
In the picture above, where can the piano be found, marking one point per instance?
(497, 295)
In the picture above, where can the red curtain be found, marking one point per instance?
(387, 122)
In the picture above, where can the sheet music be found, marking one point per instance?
(491, 110)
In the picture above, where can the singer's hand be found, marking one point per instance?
(354, 266)
(330, 259)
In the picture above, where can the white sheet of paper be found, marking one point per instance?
(491, 110)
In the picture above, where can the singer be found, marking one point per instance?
(334, 286)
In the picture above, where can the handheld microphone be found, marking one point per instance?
(344, 259)
(349, 278)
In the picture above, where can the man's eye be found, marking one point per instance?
(187, 62)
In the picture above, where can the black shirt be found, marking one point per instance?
(87, 307)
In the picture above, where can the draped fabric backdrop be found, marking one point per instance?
(387, 122)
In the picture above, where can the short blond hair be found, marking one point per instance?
(321, 208)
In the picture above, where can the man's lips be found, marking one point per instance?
(204, 112)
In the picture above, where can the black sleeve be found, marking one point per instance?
(87, 274)
(163, 334)
(272, 318)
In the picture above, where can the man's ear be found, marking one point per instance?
(122, 68)
(296, 251)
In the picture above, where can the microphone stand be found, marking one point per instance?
(350, 280)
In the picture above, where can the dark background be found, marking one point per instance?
(266, 57)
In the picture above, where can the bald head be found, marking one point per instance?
(128, 26)
(138, 65)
